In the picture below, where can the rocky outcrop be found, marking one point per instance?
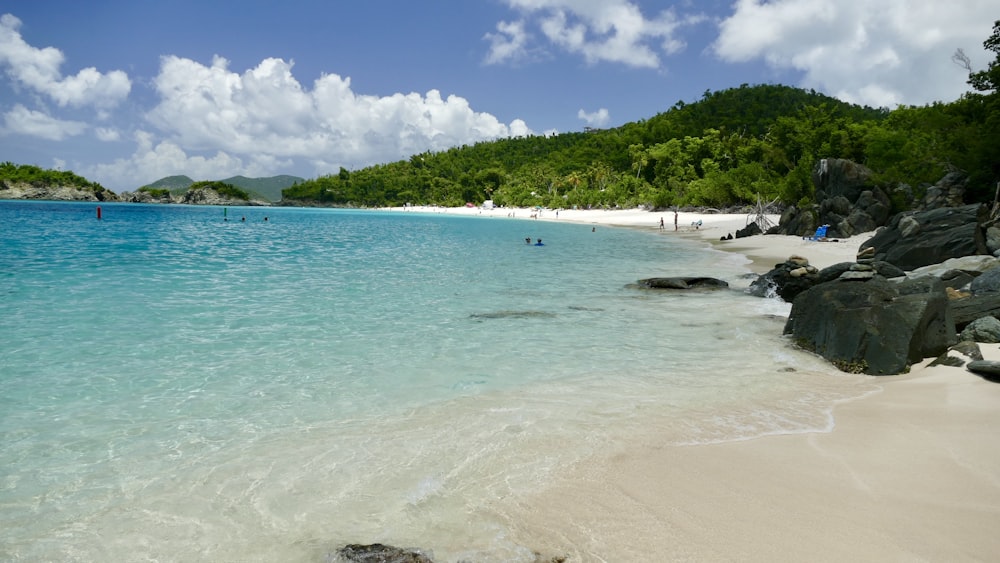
(786, 280)
(55, 193)
(681, 282)
(147, 197)
(947, 192)
(916, 239)
(878, 327)
(845, 200)
(749, 231)
(795, 275)
(209, 196)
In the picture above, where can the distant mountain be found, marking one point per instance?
(171, 183)
(267, 189)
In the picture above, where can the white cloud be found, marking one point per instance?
(599, 118)
(881, 54)
(23, 121)
(38, 69)
(107, 134)
(154, 160)
(600, 30)
(266, 112)
(508, 44)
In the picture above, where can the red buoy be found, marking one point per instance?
(98, 212)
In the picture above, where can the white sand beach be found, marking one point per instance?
(910, 473)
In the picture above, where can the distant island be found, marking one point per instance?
(31, 182)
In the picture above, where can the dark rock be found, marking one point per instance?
(957, 279)
(378, 553)
(786, 280)
(968, 349)
(919, 239)
(841, 177)
(683, 283)
(833, 272)
(749, 231)
(875, 327)
(984, 329)
(959, 354)
(887, 270)
(987, 369)
(947, 192)
(970, 308)
(987, 282)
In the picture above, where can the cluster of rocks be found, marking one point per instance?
(55, 193)
(919, 286)
(198, 196)
(845, 201)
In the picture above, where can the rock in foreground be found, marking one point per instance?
(877, 327)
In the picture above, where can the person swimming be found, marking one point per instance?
(539, 243)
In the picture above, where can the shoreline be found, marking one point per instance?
(906, 474)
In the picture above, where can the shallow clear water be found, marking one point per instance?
(180, 387)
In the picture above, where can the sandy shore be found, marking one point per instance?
(911, 473)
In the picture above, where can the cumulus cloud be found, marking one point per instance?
(23, 121)
(154, 159)
(881, 54)
(599, 118)
(38, 69)
(266, 111)
(601, 31)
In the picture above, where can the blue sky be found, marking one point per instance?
(127, 92)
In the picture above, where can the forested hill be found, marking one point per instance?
(623, 166)
(267, 189)
(730, 147)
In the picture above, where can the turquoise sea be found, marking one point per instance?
(178, 384)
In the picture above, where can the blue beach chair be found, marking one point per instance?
(820, 233)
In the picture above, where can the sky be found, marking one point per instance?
(125, 92)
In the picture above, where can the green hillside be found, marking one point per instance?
(171, 183)
(267, 189)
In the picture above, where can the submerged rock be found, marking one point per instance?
(683, 283)
(379, 553)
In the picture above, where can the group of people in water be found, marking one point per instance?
(527, 240)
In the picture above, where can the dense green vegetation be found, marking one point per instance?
(222, 188)
(266, 189)
(728, 148)
(155, 192)
(11, 173)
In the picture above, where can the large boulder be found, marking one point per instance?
(878, 327)
(917, 239)
(838, 177)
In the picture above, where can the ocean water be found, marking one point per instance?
(178, 384)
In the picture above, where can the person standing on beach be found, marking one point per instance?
(675, 219)
(661, 223)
